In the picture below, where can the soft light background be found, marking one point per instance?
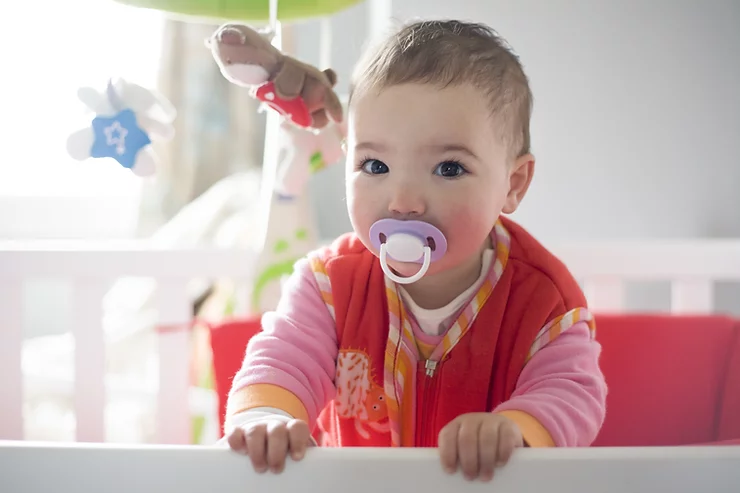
(636, 125)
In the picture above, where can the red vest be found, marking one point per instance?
(478, 374)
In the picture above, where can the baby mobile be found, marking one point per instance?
(127, 117)
(304, 134)
(305, 127)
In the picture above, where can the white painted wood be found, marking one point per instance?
(32, 468)
(657, 260)
(605, 295)
(90, 367)
(653, 260)
(692, 296)
(76, 259)
(379, 17)
(325, 40)
(11, 339)
(173, 416)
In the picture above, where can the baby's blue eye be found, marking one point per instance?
(450, 169)
(374, 167)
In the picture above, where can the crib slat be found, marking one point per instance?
(379, 16)
(89, 360)
(692, 296)
(11, 343)
(605, 295)
(173, 416)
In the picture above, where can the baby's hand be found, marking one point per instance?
(478, 442)
(267, 443)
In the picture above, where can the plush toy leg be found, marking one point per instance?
(80, 143)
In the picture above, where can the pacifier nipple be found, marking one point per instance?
(405, 247)
(407, 241)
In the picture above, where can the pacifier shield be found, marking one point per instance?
(406, 238)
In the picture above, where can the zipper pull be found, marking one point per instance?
(431, 367)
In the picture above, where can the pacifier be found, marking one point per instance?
(407, 241)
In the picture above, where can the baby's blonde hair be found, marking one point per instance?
(448, 53)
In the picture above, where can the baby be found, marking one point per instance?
(438, 322)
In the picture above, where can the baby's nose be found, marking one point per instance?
(406, 202)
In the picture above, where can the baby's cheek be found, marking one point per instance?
(463, 223)
(466, 234)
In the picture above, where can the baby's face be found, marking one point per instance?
(418, 152)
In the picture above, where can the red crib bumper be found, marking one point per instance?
(673, 380)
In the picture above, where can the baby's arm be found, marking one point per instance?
(288, 369)
(560, 399)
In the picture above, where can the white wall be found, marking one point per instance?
(636, 125)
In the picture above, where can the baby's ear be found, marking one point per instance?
(520, 176)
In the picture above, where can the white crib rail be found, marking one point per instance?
(31, 468)
(691, 266)
(91, 268)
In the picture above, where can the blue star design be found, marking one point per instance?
(118, 137)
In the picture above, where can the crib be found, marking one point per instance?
(89, 464)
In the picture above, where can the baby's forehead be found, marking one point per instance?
(421, 100)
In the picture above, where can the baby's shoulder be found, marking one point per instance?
(530, 258)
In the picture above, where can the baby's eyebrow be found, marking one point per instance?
(441, 148)
(436, 148)
(370, 146)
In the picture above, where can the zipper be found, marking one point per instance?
(429, 403)
(431, 367)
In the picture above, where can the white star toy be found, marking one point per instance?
(127, 117)
(118, 138)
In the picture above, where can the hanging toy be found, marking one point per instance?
(303, 94)
(305, 152)
(127, 117)
(407, 241)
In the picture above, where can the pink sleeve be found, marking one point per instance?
(297, 348)
(564, 389)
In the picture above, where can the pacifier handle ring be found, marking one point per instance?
(404, 280)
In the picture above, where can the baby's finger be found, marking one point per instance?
(257, 447)
(447, 442)
(508, 440)
(277, 446)
(467, 448)
(237, 441)
(488, 450)
(299, 436)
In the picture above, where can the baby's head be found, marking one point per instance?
(439, 131)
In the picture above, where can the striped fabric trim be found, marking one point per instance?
(557, 326)
(322, 279)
